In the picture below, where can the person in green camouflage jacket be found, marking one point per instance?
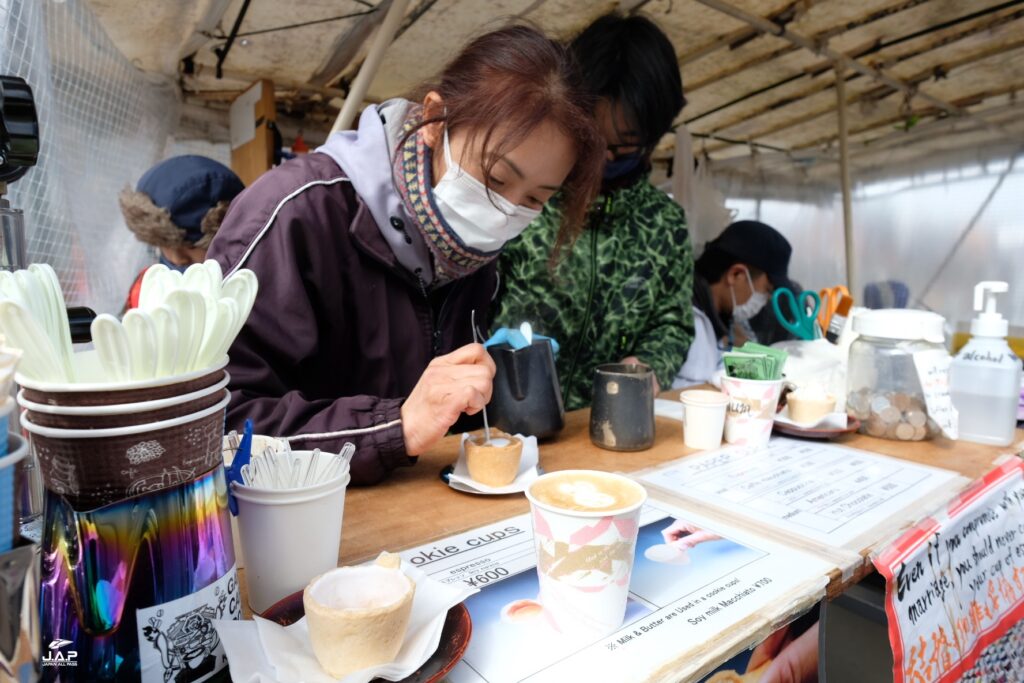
(622, 291)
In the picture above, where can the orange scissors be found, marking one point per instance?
(830, 299)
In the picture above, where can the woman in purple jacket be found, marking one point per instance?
(373, 252)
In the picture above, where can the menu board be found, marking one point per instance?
(685, 613)
(820, 492)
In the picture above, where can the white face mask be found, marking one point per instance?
(482, 220)
(752, 306)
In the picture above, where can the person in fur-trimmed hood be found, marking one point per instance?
(177, 207)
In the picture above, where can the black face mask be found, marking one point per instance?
(622, 166)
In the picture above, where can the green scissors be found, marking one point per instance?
(799, 320)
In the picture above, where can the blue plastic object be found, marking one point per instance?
(8, 501)
(242, 456)
(7, 508)
(515, 339)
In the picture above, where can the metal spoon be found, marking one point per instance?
(477, 338)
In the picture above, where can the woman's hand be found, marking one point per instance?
(633, 360)
(457, 383)
(786, 660)
(685, 535)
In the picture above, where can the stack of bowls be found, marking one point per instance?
(98, 443)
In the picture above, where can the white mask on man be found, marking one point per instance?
(752, 306)
(481, 220)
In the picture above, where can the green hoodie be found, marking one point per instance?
(623, 289)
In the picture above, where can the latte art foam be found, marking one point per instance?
(586, 491)
(585, 495)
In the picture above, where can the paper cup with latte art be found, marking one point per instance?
(585, 526)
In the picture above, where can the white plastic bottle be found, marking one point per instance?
(985, 376)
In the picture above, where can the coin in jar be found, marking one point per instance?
(904, 431)
(903, 402)
(916, 418)
(890, 415)
(879, 403)
(857, 405)
(875, 426)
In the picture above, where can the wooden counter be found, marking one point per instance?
(414, 506)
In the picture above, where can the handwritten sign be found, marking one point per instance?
(933, 373)
(955, 583)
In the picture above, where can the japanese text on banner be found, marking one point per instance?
(956, 584)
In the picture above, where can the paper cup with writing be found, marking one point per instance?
(751, 413)
(585, 527)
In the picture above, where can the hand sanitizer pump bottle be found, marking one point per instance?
(985, 376)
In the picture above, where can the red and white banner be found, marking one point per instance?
(955, 582)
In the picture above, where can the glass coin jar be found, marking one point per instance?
(883, 388)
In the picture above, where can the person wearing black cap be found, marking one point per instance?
(733, 282)
(177, 207)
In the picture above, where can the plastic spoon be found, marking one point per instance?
(191, 312)
(198, 304)
(58, 306)
(53, 311)
(9, 288)
(37, 307)
(166, 322)
(141, 332)
(215, 277)
(113, 348)
(148, 295)
(24, 333)
(218, 330)
(242, 287)
(195, 279)
(181, 304)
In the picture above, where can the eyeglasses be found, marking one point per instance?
(630, 149)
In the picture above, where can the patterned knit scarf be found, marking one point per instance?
(412, 174)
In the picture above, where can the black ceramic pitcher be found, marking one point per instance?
(527, 398)
(622, 412)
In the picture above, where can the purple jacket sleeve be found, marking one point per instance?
(281, 238)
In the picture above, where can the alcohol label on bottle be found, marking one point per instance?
(177, 640)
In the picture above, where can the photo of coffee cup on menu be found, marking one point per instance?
(585, 528)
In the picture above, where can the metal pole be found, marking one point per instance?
(368, 70)
(970, 226)
(844, 174)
